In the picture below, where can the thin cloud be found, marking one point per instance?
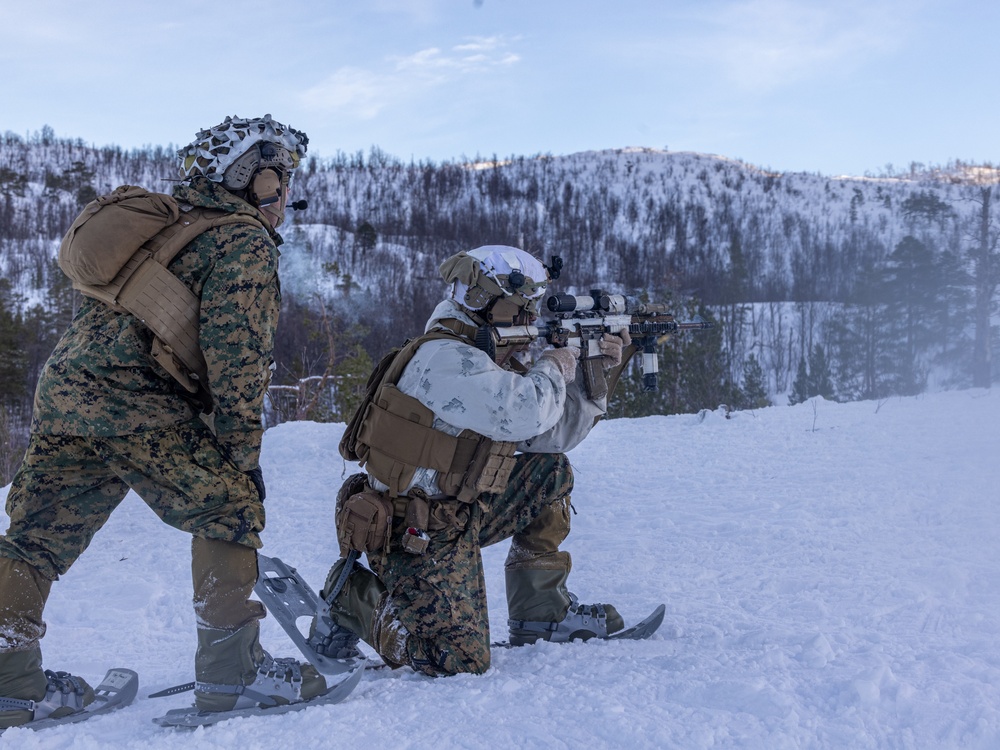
(483, 44)
(365, 93)
(465, 58)
(361, 92)
(763, 45)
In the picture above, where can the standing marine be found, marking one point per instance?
(108, 417)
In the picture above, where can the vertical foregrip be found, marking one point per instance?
(593, 377)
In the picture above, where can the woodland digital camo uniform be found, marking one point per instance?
(434, 617)
(107, 417)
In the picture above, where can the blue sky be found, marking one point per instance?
(831, 86)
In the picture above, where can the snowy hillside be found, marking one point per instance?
(774, 256)
(829, 570)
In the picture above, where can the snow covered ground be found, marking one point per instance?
(831, 575)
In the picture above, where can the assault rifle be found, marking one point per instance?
(582, 320)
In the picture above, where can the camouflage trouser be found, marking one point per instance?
(68, 486)
(439, 597)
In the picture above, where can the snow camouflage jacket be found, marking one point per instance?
(467, 390)
(102, 381)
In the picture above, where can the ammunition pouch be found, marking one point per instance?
(364, 518)
(488, 471)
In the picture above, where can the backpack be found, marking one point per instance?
(117, 251)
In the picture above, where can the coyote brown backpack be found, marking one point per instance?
(117, 251)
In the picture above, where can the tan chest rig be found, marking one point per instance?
(394, 435)
(391, 435)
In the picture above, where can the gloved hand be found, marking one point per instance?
(257, 477)
(611, 346)
(564, 358)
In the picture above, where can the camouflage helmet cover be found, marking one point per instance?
(495, 271)
(232, 152)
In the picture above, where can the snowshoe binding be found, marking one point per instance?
(583, 622)
(69, 699)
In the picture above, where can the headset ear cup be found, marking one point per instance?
(266, 188)
(267, 192)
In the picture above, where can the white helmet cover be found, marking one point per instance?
(231, 153)
(492, 271)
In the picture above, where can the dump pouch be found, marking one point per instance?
(416, 523)
(364, 518)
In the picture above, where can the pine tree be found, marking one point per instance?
(13, 361)
(819, 377)
(704, 378)
(754, 391)
(951, 320)
(911, 282)
(15, 407)
(860, 340)
(986, 261)
(352, 376)
(800, 388)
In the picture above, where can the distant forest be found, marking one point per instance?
(845, 288)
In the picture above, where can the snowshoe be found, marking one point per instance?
(275, 691)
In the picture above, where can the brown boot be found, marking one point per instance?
(48, 694)
(231, 668)
(354, 605)
(541, 607)
(233, 671)
(23, 592)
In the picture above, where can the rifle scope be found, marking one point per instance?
(597, 300)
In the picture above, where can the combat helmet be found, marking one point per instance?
(253, 158)
(496, 283)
